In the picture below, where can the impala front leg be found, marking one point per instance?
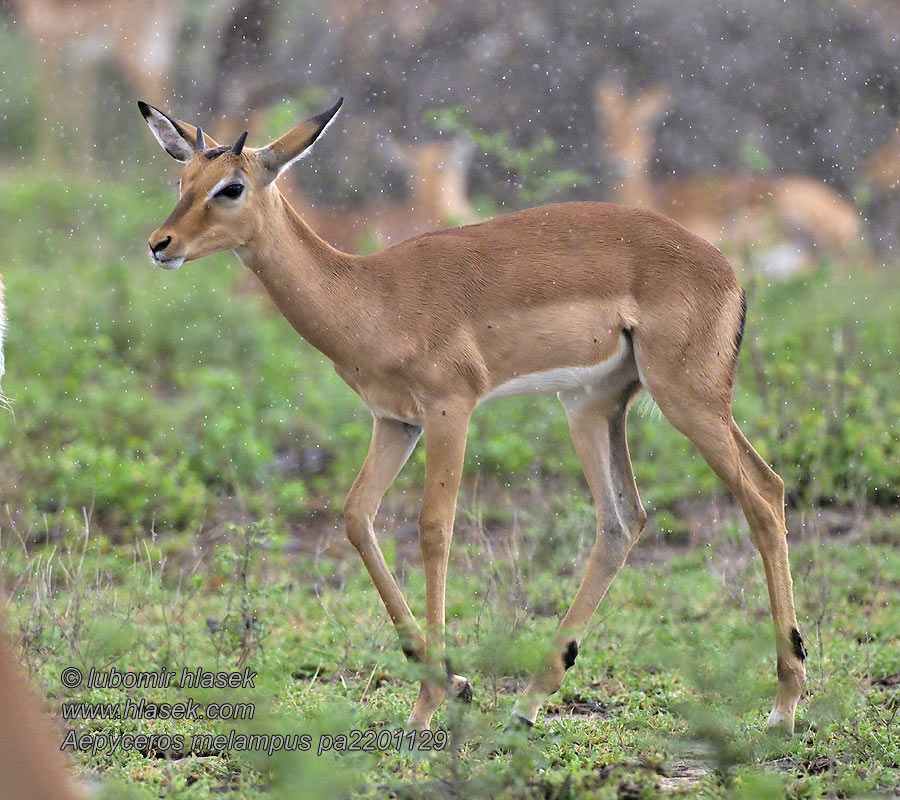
(392, 443)
(445, 446)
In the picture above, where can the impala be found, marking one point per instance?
(31, 765)
(592, 301)
(73, 41)
(739, 208)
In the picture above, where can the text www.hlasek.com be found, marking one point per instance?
(144, 710)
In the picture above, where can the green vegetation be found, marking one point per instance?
(531, 169)
(168, 399)
(668, 695)
(170, 494)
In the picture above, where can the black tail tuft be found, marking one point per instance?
(797, 642)
(739, 336)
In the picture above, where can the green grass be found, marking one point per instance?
(170, 496)
(677, 670)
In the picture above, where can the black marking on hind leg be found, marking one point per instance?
(570, 654)
(797, 642)
(467, 694)
(410, 652)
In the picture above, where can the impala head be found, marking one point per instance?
(628, 122)
(225, 192)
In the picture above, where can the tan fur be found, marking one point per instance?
(740, 209)
(31, 765)
(426, 329)
(439, 196)
(881, 170)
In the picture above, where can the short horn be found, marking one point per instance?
(201, 142)
(239, 144)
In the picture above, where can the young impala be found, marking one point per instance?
(592, 301)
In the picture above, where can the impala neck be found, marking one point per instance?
(633, 185)
(318, 289)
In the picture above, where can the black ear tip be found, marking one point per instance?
(144, 108)
(326, 116)
(334, 109)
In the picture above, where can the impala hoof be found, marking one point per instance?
(507, 737)
(460, 688)
(781, 721)
(518, 723)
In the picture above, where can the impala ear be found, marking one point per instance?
(176, 137)
(609, 98)
(276, 157)
(652, 103)
(612, 102)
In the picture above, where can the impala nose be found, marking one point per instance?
(161, 245)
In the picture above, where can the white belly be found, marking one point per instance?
(562, 379)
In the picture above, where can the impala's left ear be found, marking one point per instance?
(176, 137)
(278, 156)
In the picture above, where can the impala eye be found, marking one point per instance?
(232, 191)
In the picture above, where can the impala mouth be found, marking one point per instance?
(167, 263)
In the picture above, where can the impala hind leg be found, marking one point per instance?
(760, 492)
(597, 424)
